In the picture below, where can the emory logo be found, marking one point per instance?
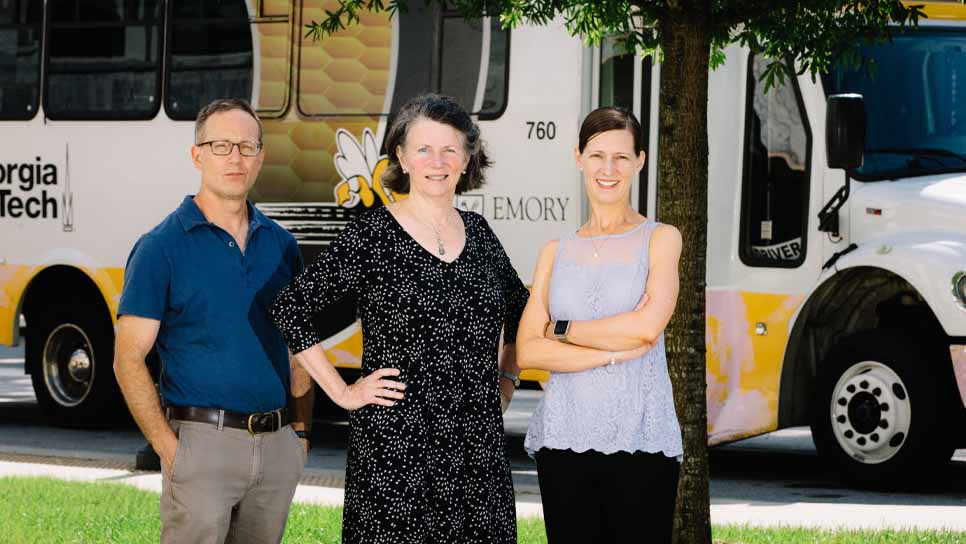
(27, 178)
(361, 167)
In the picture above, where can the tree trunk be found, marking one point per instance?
(683, 202)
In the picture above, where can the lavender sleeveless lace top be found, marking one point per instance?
(623, 407)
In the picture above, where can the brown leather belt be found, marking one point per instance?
(267, 422)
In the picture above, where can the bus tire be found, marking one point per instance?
(70, 351)
(879, 409)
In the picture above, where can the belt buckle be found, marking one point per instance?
(277, 417)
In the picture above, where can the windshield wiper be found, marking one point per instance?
(920, 153)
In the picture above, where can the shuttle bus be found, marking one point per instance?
(833, 300)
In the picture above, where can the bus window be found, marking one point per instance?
(19, 58)
(616, 76)
(210, 52)
(415, 60)
(273, 8)
(272, 79)
(461, 63)
(913, 102)
(347, 73)
(461, 46)
(497, 73)
(645, 120)
(778, 143)
(103, 59)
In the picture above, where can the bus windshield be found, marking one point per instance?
(915, 104)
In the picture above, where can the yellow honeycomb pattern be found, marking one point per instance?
(346, 73)
(275, 45)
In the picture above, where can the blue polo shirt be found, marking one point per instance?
(218, 346)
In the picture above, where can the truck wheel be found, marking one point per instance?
(880, 414)
(70, 353)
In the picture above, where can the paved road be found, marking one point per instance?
(769, 480)
(14, 384)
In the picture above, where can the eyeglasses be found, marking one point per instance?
(224, 147)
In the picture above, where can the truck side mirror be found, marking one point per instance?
(845, 131)
(844, 146)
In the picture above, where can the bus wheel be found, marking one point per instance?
(879, 411)
(70, 353)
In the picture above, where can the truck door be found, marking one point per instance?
(762, 257)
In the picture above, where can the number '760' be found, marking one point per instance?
(541, 130)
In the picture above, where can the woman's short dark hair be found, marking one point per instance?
(608, 118)
(445, 110)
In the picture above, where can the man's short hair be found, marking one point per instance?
(220, 105)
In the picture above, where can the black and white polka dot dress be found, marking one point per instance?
(433, 468)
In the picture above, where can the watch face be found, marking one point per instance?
(560, 328)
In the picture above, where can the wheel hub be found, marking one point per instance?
(870, 412)
(68, 365)
(864, 412)
(79, 366)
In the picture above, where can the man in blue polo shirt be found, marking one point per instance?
(200, 285)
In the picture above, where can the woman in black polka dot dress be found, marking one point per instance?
(427, 461)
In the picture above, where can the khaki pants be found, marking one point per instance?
(228, 485)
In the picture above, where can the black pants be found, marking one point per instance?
(591, 497)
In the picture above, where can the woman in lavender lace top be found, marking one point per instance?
(605, 436)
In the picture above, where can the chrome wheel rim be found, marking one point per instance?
(68, 365)
(870, 412)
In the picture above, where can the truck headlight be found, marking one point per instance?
(959, 286)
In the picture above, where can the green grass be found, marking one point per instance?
(731, 534)
(48, 511)
(45, 510)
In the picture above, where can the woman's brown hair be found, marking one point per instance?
(445, 110)
(608, 118)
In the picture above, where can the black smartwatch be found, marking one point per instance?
(560, 329)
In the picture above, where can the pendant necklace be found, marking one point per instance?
(597, 248)
(440, 248)
(439, 243)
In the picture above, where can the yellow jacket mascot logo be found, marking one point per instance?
(361, 167)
